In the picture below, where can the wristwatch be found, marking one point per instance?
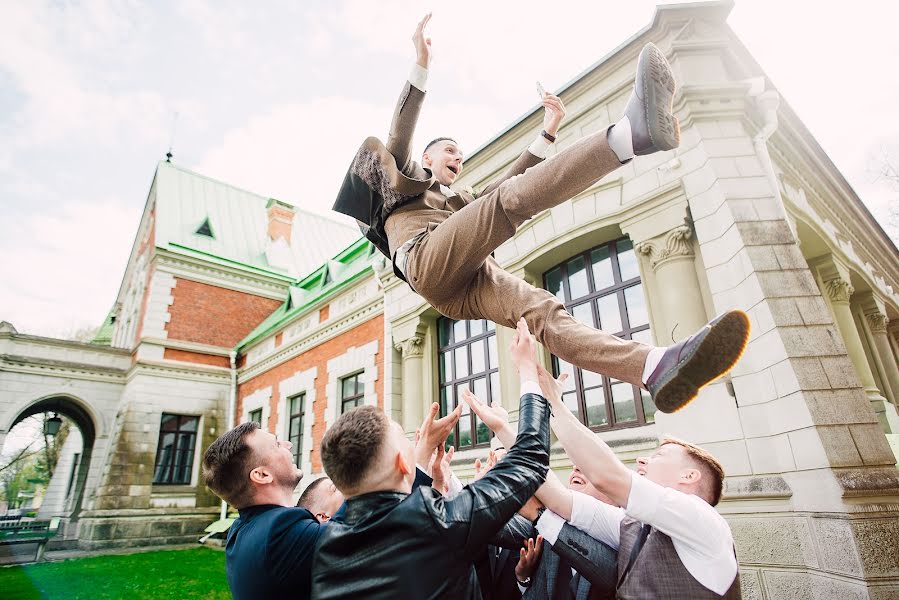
(550, 138)
(525, 583)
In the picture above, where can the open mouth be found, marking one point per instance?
(576, 480)
(455, 170)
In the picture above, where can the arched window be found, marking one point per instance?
(602, 288)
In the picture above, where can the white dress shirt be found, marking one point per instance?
(701, 537)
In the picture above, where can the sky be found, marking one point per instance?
(274, 96)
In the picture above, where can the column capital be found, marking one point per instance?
(412, 346)
(877, 322)
(838, 289)
(675, 243)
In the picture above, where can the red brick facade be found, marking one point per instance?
(318, 357)
(207, 314)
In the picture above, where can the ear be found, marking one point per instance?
(691, 476)
(402, 465)
(426, 160)
(261, 475)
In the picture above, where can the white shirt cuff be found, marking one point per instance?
(539, 146)
(530, 387)
(455, 486)
(418, 77)
(549, 525)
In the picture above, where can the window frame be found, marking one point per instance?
(296, 441)
(490, 375)
(179, 432)
(253, 412)
(358, 399)
(617, 289)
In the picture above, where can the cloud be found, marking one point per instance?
(63, 266)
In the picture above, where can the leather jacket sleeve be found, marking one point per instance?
(481, 509)
(594, 560)
(514, 533)
(402, 127)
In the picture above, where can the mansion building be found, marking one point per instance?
(235, 307)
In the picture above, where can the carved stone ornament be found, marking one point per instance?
(839, 290)
(877, 322)
(676, 244)
(414, 346)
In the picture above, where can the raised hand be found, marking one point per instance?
(494, 417)
(551, 387)
(422, 43)
(553, 113)
(529, 558)
(524, 352)
(433, 432)
(441, 472)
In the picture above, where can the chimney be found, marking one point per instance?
(280, 220)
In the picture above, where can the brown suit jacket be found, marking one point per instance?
(392, 197)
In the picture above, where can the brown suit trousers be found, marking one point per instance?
(452, 269)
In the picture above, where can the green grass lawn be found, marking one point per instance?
(167, 574)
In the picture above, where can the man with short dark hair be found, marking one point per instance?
(393, 544)
(322, 498)
(270, 547)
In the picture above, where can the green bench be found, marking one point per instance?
(29, 532)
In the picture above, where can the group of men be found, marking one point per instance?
(390, 519)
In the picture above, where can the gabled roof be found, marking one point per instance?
(103, 337)
(190, 207)
(347, 267)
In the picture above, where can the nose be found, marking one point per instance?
(642, 461)
(286, 444)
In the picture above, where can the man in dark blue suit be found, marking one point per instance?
(270, 547)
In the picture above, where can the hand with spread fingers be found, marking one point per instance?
(433, 432)
(529, 558)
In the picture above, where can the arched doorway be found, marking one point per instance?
(71, 475)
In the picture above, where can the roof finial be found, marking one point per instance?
(169, 155)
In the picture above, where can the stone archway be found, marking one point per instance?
(80, 414)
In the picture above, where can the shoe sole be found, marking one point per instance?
(658, 99)
(715, 355)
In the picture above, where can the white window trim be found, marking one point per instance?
(302, 382)
(256, 400)
(349, 363)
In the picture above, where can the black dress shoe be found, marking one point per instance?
(653, 126)
(698, 360)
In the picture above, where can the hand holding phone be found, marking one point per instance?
(541, 91)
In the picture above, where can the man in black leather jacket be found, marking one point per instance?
(395, 544)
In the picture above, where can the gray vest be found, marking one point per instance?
(657, 571)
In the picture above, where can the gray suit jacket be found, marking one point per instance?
(595, 561)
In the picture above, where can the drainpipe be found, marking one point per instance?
(767, 102)
(232, 408)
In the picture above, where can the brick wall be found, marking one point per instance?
(318, 357)
(197, 357)
(207, 314)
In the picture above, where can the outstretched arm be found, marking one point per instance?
(553, 113)
(405, 115)
(592, 455)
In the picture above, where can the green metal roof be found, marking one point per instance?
(346, 268)
(103, 337)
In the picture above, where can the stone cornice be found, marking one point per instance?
(54, 368)
(193, 372)
(25, 338)
(324, 332)
(188, 346)
(224, 276)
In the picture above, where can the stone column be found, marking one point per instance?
(878, 322)
(838, 290)
(671, 257)
(412, 350)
